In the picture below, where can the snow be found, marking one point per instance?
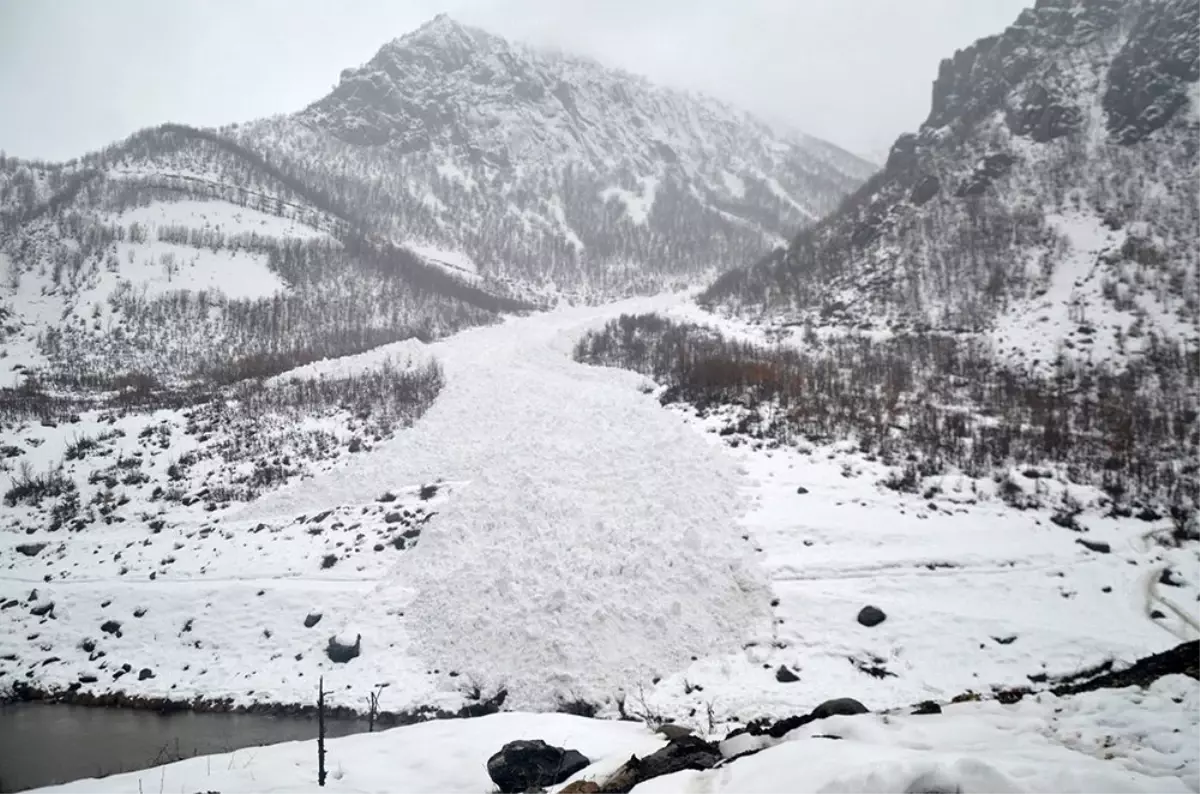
(236, 274)
(1036, 330)
(1118, 740)
(1193, 112)
(405, 354)
(455, 260)
(637, 205)
(584, 542)
(537, 578)
(734, 184)
(228, 218)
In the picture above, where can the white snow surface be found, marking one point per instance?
(1194, 102)
(1126, 740)
(583, 541)
(228, 218)
(594, 542)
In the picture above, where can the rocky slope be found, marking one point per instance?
(1049, 199)
(552, 169)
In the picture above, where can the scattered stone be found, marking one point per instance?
(139, 612)
(340, 653)
(801, 490)
(31, 549)
(785, 676)
(312, 619)
(871, 616)
(42, 609)
(529, 764)
(111, 627)
(1009, 640)
(1097, 546)
(145, 673)
(428, 492)
(393, 518)
(328, 561)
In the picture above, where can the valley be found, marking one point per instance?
(499, 395)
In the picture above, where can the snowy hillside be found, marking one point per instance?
(570, 573)
(1050, 199)
(551, 169)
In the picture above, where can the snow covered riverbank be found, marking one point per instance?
(1110, 740)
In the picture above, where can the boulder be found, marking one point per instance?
(785, 676)
(871, 616)
(1098, 546)
(688, 752)
(312, 619)
(838, 707)
(527, 764)
(340, 653)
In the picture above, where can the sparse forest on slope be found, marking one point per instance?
(1050, 198)
(486, 178)
(553, 171)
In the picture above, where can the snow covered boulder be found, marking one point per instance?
(528, 764)
(340, 651)
(871, 616)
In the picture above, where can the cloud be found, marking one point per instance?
(76, 74)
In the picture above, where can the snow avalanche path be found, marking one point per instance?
(593, 542)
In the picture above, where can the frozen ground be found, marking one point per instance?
(1111, 740)
(581, 542)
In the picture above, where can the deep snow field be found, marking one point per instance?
(550, 530)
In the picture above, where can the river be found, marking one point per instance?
(42, 744)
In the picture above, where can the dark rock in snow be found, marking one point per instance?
(1170, 578)
(924, 190)
(111, 627)
(1094, 545)
(785, 676)
(871, 616)
(339, 653)
(42, 609)
(838, 707)
(145, 673)
(688, 752)
(927, 707)
(312, 619)
(530, 764)
(801, 490)
(31, 549)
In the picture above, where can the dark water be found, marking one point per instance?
(42, 744)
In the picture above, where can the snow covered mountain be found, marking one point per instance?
(551, 168)
(1049, 199)
(452, 177)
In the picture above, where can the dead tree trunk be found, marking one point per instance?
(321, 731)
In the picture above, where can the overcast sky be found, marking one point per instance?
(78, 74)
